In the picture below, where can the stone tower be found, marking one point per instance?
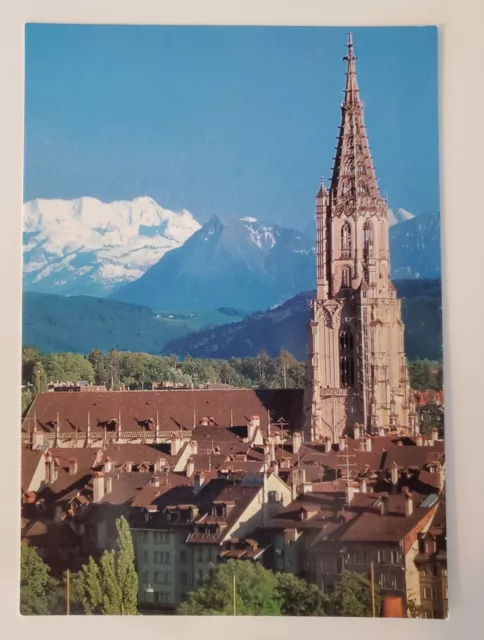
(356, 369)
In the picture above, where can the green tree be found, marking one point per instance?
(111, 587)
(39, 378)
(351, 596)
(300, 598)
(255, 592)
(30, 355)
(69, 367)
(87, 584)
(36, 583)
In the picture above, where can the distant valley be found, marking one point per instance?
(80, 324)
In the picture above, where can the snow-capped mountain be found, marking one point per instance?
(240, 263)
(398, 215)
(85, 246)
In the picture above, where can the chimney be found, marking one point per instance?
(394, 474)
(51, 470)
(155, 481)
(327, 445)
(73, 466)
(408, 504)
(198, 480)
(441, 473)
(37, 439)
(108, 465)
(252, 427)
(129, 467)
(307, 487)
(381, 431)
(367, 443)
(363, 485)
(190, 467)
(384, 504)
(296, 442)
(419, 440)
(342, 443)
(194, 445)
(356, 431)
(272, 448)
(108, 484)
(275, 468)
(175, 445)
(435, 434)
(98, 487)
(430, 441)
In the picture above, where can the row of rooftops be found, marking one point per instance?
(225, 466)
(176, 410)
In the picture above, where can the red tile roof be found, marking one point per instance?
(175, 408)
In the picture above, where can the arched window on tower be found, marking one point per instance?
(346, 240)
(346, 276)
(346, 357)
(367, 239)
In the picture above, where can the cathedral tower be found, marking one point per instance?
(356, 369)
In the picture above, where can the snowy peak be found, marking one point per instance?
(87, 246)
(398, 215)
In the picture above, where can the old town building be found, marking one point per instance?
(356, 367)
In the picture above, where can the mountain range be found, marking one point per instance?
(82, 323)
(138, 252)
(85, 246)
(285, 327)
(237, 263)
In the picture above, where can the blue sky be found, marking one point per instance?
(227, 120)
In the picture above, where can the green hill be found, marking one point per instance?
(82, 323)
(284, 327)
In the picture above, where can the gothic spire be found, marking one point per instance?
(353, 174)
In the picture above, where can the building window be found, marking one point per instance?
(383, 580)
(346, 345)
(158, 557)
(353, 556)
(158, 537)
(167, 558)
(393, 582)
(427, 593)
(380, 556)
(145, 557)
(346, 276)
(346, 240)
(395, 557)
(200, 576)
(167, 537)
(184, 578)
(200, 554)
(273, 496)
(367, 239)
(145, 577)
(145, 536)
(183, 557)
